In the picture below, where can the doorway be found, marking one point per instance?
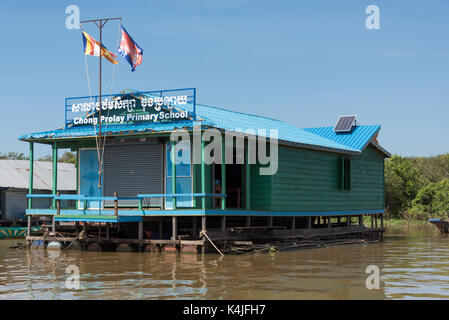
(234, 185)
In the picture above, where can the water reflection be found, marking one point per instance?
(413, 263)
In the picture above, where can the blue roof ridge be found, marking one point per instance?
(239, 112)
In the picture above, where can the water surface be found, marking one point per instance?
(413, 260)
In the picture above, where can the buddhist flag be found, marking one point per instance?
(92, 47)
(130, 50)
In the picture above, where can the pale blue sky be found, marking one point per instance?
(304, 62)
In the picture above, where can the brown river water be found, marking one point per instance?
(413, 263)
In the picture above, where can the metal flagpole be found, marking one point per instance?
(100, 24)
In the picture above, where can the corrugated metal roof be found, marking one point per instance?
(356, 139)
(224, 119)
(15, 174)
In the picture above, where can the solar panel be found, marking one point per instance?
(345, 124)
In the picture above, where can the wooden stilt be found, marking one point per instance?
(195, 227)
(372, 222)
(107, 230)
(174, 228)
(161, 225)
(329, 222)
(361, 220)
(293, 223)
(223, 223)
(309, 222)
(53, 224)
(203, 223)
(203, 230)
(140, 230)
(348, 221)
(29, 225)
(248, 221)
(382, 220)
(270, 221)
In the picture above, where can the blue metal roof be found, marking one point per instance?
(316, 138)
(356, 139)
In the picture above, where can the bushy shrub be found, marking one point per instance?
(417, 188)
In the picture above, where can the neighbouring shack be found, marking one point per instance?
(323, 181)
(14, 186)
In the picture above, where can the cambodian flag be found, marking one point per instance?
(130, 50)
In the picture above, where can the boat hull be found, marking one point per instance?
(442, 225)
(14, 232)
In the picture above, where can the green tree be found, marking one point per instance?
(431, 201)
(402, 183)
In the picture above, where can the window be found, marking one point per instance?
(345, 173)
(183, 174)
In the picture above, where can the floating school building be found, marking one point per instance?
(326, 180)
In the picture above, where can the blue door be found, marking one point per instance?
(183, 175)
(88, 178)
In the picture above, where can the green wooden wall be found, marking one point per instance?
(309, 180)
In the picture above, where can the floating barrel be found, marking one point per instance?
(54, 245)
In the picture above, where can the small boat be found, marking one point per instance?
(14, 232)
(442, 224)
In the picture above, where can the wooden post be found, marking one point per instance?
(223, 175)
(53, 225)
(140, 230)
(173, 173)
(84, 228)
(223, 223)
(30, 187)
(338, 221)
(309, 222)
(348, 221)
(203, 226)
(195, 227)
(203, 223)
(29, 225)
(361, 220)
(248, 221)
(376, 220)
(293, 223)
(174, 228)
(55, 172)
(329, 222)
(203, 177)
(372, 222)
(58, 204)
(381, 220)
(116, 204)
(270, 221)
(107, 230)
(161, 225)
(77, 226)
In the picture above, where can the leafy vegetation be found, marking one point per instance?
(67, 157)
(417, 188)
(13, 156)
